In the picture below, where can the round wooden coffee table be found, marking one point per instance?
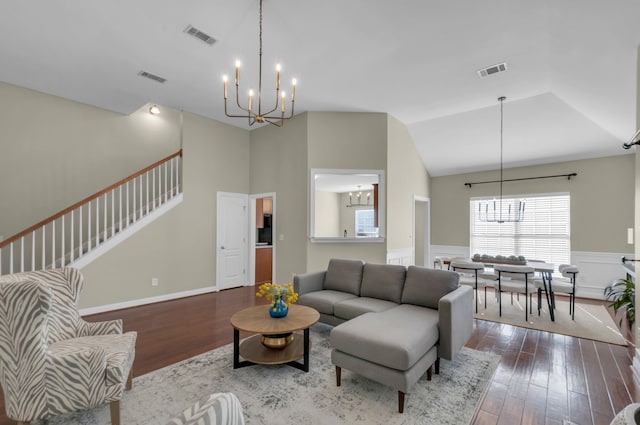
(258, 321)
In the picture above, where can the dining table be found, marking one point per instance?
(546, 271)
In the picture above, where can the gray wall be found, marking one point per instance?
(602, 199)
(350, 141)
(55, 152)
(279, 164)
(180, 247)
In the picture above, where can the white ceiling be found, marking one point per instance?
(570, 84)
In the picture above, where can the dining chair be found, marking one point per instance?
(472, 274)
(516, 279)
(566, 284)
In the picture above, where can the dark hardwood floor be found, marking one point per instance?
(542, 378)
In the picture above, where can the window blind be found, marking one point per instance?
(543, 234)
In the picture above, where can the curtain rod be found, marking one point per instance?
(568, 176)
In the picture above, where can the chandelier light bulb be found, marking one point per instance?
(224, 79)
(263, 113)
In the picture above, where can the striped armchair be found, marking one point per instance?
(218, 409)
(51, 360)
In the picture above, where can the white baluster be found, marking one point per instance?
(53, 244)
(147, 203)
(33, 251)
(21, 254)
(140, 206)
(153, 187)
(71, 258)
(62, 251)
(105, 218)
(166, 187)
(43, 255)
(97, 222)
(89, 226)
(113, 211)
(80, 240)
(120, 208)
(11, 258)
(172, 165)
(126, 224)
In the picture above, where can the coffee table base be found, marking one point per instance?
(254, 352)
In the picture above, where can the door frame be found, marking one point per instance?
(252, 236)
(218, 242)
(427, 228)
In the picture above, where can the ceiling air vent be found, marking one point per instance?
(195, 32)
(493, 69)
(151, 76)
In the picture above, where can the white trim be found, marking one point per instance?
(449, 251)
(401, 256)
(127, 232)
(597, 270)
(150, 300)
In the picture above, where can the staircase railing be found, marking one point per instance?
(76, 231)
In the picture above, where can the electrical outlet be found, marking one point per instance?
(154, 281)
(281, 237)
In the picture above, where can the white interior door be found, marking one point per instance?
(232, 232)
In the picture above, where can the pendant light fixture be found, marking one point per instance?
(494, 212)
(256, 115)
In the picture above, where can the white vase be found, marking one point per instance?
(630, 415)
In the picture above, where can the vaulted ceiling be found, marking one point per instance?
(570, 81)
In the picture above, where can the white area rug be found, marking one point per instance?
(284, 395)
(591, 321)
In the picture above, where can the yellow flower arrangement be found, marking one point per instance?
(278, 292)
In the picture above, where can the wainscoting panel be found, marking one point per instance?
(597, 270)
(449, 251)
(403, 256)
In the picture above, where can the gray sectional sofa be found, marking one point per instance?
(392, 323)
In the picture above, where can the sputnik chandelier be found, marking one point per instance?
(253, 116)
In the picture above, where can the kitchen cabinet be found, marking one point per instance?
(264, 257)
(263, 206)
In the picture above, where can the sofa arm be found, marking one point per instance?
(309, 282)
(111, 327)
(455, 320)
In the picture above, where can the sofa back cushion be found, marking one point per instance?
(383, 281)
(344, 275)
(425, 286)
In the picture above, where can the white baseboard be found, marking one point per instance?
(143, 301)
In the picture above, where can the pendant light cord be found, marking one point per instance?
(501, 99)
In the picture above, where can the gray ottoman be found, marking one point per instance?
(395, 347)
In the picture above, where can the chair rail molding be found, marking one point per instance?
(597, 270)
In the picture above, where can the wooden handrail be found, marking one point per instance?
(86, 200)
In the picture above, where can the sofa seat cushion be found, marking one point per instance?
(344, 276)
(425, 287)
(383, 281)
(325, 300)
(396, 338)
(354, 307)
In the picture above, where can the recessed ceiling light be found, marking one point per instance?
(154, 110)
